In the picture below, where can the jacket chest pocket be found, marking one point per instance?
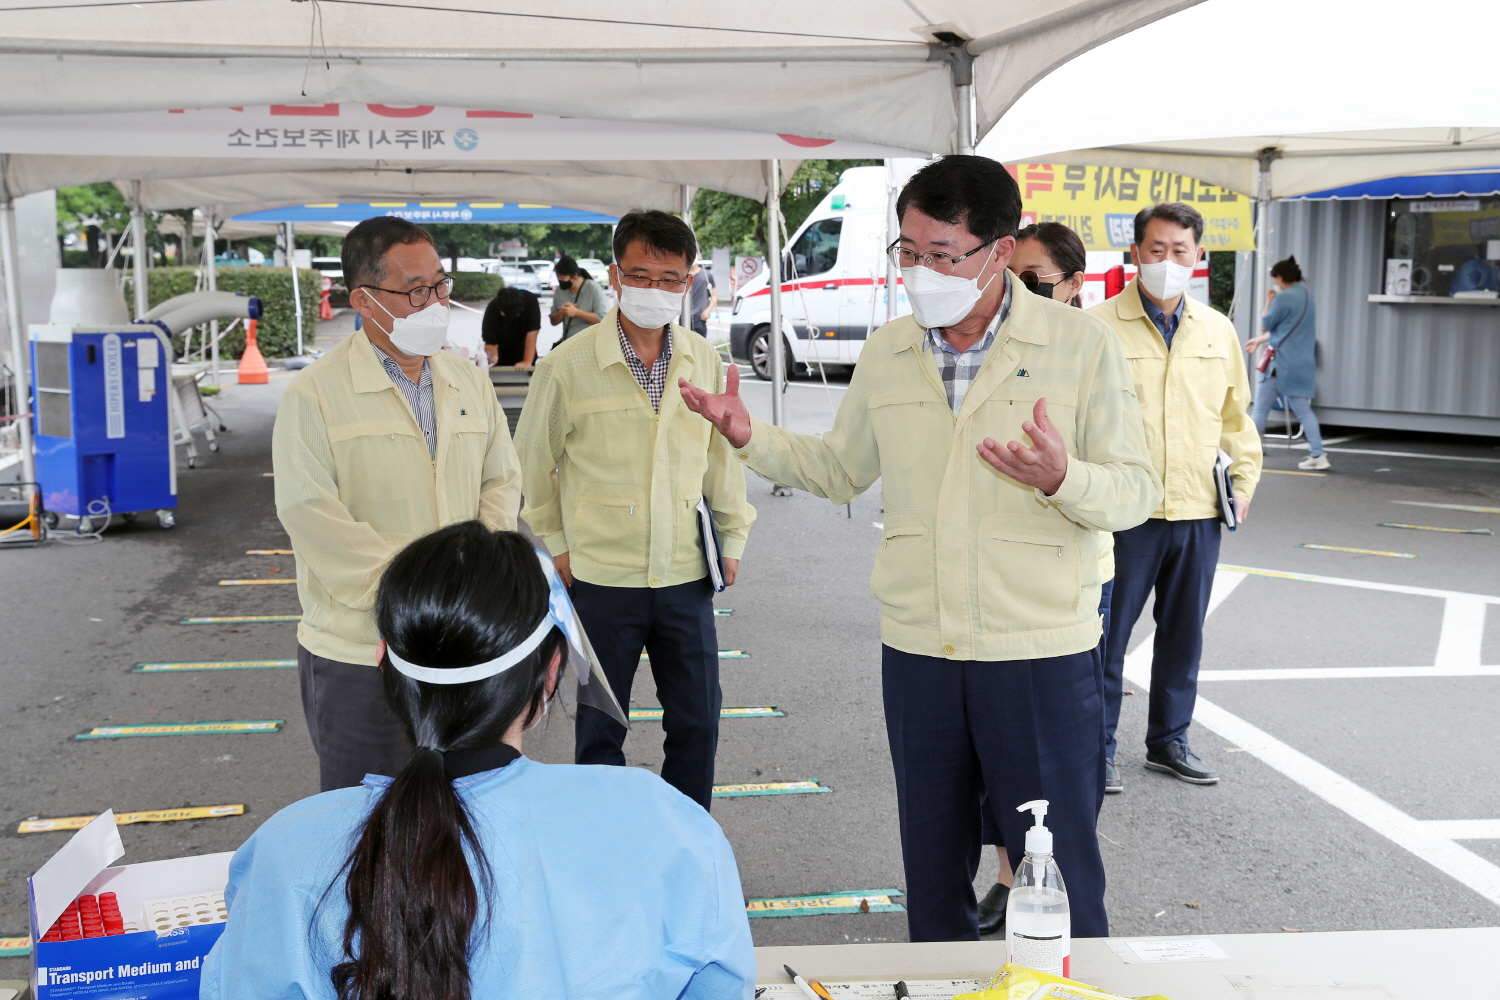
(375, 453)
(908, 422)
(1200, 378)
(1002, 414)
(1028, 573)
(610, 525)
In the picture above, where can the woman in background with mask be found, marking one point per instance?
(475, 871)
(1291, 330)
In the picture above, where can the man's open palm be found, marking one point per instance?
(726, 411)
(1043, 467)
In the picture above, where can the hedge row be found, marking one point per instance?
(277, 330)
(476, 286)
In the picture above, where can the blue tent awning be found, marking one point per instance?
(1478, 184)
(428, 212)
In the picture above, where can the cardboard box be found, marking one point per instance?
(146, 965)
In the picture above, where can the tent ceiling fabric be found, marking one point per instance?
(864, 70)
(1320, 83)
(236, 194)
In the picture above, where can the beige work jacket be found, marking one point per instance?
(355, 483)
(1195, 399)
(616, 485)
(972, 564)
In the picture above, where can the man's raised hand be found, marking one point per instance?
(1043, 467)
(726, 411)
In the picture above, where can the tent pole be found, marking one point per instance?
(291, 260)
(687, 216)
(210, 249)
(892, 231)
(20, 362)
(138, 250)
(773, 265)
(1262, 239)
(965, 97)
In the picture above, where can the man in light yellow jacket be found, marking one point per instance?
(614, 471)
(383, 439)
(988, 571)
(1195, 399)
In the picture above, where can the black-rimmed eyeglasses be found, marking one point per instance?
(422, 294)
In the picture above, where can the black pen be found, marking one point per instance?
(901, 990)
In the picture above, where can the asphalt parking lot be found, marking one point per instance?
(1349, 698)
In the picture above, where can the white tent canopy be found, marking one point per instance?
(451, 149)
(1324, 94)
(895, 72)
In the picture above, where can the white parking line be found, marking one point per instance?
(1433, 844)
(1344, 673)
(1465, 829)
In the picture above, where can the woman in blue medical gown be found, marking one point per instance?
(476, 872)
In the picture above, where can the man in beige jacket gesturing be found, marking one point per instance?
(987, 572)
(385, 438)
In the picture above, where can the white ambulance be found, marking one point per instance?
(833, 292)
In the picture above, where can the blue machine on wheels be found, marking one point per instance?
(101, 395)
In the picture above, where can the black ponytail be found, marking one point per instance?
(455, 598)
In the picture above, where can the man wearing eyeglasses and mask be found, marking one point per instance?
(614, 472)
(386, 438)
(1005, 431)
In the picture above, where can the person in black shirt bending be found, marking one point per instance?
(511, 322)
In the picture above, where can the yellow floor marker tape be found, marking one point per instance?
(724, 654)
(240, 619)
(1293, 472)
(250, 583)
(157, 668)
(871, 901)
(655, 714)
(269, 552)
(125, 819)
(1429, 527)
(183, 729)
(15, 947)
(770, 788)
(1363, 552)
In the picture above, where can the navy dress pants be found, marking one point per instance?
(1014, 730)
(675, 626)
(1177, 559)
(990, 835)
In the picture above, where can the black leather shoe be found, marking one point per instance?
(992, 910)
(1177, 760)
(1112, 783)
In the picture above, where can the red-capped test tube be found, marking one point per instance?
(71, 931)
(88, 917)
(109, 912)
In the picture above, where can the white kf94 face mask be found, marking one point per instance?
(941, 300)
(650, 308)
(1165, 279)
(423, 333)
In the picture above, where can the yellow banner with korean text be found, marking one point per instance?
(1100, 203)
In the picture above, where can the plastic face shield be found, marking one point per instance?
(592, 689)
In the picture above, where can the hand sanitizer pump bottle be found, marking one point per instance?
(1037, 922)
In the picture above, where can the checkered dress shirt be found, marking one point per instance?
(958, 371)
(653, 379)
(418, 397)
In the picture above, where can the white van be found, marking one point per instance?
(833, 281)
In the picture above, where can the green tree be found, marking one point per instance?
(727, 220)
(95, 209)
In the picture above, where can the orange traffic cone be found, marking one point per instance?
(253, 370)
(325, 307)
